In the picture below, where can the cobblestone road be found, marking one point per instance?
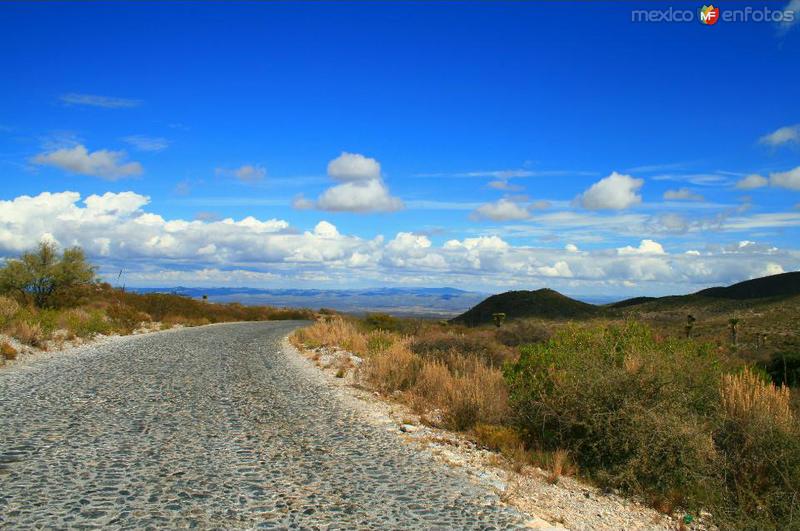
(211, 427)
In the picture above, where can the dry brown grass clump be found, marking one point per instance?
(394, 369)
(8, 351)
(746, 398)
(28, 333)
(335, 331)
(8, 309)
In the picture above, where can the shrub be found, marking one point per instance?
(28, 333)
(441, 345)
(479, 395)
(378, 341)
(126, 318)
(522, 333)
(44, 277)
(431, 386)
(632, 411)
(784, 368)
(394, 369)
(8, 309)
(7, 351)
(467, 392)
(85, 323)
(334, 332)
(760, 441)
(497, 437)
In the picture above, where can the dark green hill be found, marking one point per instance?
(543, 303)
(782, 285)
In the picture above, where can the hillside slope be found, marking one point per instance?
(542, 303)
(782, 285)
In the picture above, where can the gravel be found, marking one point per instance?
(212, 427)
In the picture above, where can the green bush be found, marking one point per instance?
(784, 368)
(635, 413)
(661, 418)
(44, 278)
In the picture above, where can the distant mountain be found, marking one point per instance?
(422, 302)
(542, 303)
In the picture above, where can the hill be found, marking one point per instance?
(782, 285)
(542, 303)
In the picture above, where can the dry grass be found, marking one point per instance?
(333, 332)
(8, 309)
(561, 465)
(746, 398)
(7, 351)
(28, 333)
(394, 369)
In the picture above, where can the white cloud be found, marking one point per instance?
(645, 247)
(784, 135)
(615, 192)
(119, 229)
(147, 143)
(93, 100)
(101, 163)
(361, 190)
(501, 210)
(787, 179)
(247, 174)
(752, 181)
(359, 196)
(682, 194)
(350, 167)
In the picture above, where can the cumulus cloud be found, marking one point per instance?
(615, 192)
(359, 196)
(787, 179)
(752, 181)
(101, 163)
(682, 194)
(362, 188)
(782, 136)
(501, 210)
(350, 167)
(93, 100)
(147, 143)
(120, 228)
(247, 174)
(645, 247)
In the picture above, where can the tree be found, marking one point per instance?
(41, 275)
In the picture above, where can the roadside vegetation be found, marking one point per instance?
(681, 423)
(47, 297)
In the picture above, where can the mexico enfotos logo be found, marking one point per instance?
(710, 15)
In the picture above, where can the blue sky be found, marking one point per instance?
(481, 145)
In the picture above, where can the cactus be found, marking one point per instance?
(689, 325)
(733, 324)
(498, 318)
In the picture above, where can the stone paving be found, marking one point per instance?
(212, 427)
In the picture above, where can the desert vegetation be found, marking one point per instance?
(674, 420)
(47, 296)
